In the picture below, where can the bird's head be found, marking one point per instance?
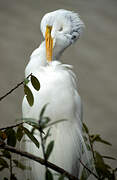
(60, 29)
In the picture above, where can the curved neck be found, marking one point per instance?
(38, 56)
(38, 59)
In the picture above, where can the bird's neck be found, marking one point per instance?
(39, 55)
(38, 59)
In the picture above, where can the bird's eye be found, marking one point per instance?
(61, 28)
(74, 37)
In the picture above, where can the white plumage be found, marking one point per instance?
(59, 89)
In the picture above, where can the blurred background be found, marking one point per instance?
(93, 58)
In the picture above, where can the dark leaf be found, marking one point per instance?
(20, 165)
(13, 177)
(32, 122)
(85, 174)
(35, 82)
(108, 157)
(98, 139)
(49, 175)
(11, 137)
(85, 128)
(61, 177)
(5, 178)
(3, 163)
(42, 112)
(101, 167)
(30, 135)
(85, 138)
(49, 149)
(88, 147)
(29, 95)
(2, 168)
(20, 133)
(47, 134)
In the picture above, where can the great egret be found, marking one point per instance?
(60, 29)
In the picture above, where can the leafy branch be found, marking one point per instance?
(39, 160)
(104, 170)
(9, 138)
(14, 88)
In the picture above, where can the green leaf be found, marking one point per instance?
(49, 149)
(47, 134)
(44, 121)
(61, 177)
(108, 157)
(99, 139)
(55, 122)
(26, 81)
(85, 138)
(3, 163)
(35, 82)
(88, 147)
(42, 112)
(101, 167)
(20, 165)
(31, 121)
(20, 133)
(30, 135)
(29, 95)
(49, 175)
(85, 174)
(11, 137)
(34, 124)
(85, 128)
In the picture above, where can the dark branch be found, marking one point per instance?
(9, 92)
(89, 170)
(39, 160)
(12, 126)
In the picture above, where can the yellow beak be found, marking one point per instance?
(49, 43)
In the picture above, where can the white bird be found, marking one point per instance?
(59, 89)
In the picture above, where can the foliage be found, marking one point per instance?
(103, 170)
(13, 135)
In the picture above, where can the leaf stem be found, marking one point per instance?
(43, 149)
(10, 91)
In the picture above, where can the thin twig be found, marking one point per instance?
(39, 160)
(12, 126)
(89, 169)
(9, 92)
